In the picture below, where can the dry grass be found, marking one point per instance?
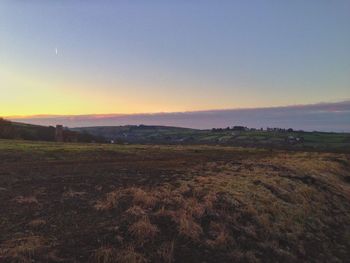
(110, 201)
(142, 198)
(311, 163)
(170, 198)
(22, 249)
(143, 230)
(166, 252)
(172, 204)
(135, 211)
(194, 208)
(256, 203)
(218, 206)
(26, 200)
(105, 255)
(37, 222)
(221, 236)
(187, 226)
(129, 255)
(73, 194)
(209, 200)
(250, 257)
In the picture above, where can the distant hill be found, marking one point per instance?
(141, 133)
(277, 139)
(16, 130)
(152, 134)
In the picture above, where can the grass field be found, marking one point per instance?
(158, 203)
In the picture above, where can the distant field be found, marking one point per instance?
(311, 141)
(164, 135)
(173, 203)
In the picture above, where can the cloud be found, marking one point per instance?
(321, 117)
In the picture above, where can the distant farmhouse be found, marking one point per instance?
(294, 140)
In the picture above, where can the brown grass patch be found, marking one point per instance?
(170, 198)
(26, 200)
(209, 200)
(187, 226)
(194, 208)
(139, 197)
(244, 202)
(105, 255)
(142, 198)
(110, 201)
(73, 194)
(129, 255)
(221, 236)
(166, 252)
(22, 249)
(136, 211)
(37, 222)
(143, 230)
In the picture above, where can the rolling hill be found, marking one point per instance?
(16, 130)
(274, 138)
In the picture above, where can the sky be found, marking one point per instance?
(98, 57)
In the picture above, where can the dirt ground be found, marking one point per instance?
(135, 203)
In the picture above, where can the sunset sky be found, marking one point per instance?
(95, 57)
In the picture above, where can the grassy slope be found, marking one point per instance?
(132, 203)
(23, 131)
(15, 130)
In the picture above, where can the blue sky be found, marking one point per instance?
(163, 56)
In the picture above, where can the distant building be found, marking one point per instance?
(294, 140)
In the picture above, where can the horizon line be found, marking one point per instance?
(103, 115)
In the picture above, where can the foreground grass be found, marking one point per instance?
(120, 203)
